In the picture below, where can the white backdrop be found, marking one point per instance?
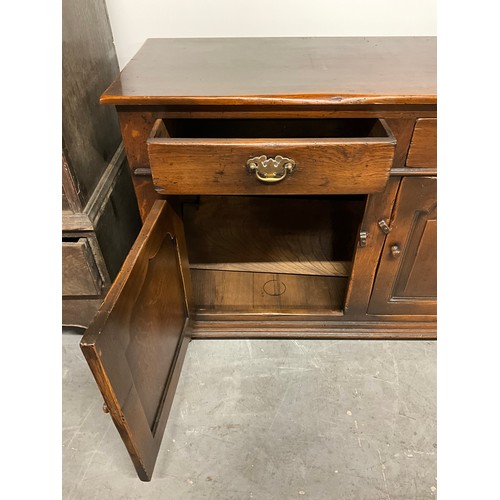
(132, 21)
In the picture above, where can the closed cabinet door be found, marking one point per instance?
(136, 344)
(406, 280)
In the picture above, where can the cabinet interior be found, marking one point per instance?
(286, 254)
(275, 128)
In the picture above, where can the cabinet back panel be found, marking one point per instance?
(296, 235)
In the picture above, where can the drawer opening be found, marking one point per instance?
(271, 255)
(254, 128)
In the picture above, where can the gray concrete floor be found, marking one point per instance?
(269, 420)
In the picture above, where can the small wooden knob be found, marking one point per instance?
(395, 250)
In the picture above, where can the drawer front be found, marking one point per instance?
(423, 146)
(80, 275)
(78, 312)
(271, 166)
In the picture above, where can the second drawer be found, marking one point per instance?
(423, 146)
(270, 156)
(80, 276)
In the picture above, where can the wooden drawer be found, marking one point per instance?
(80, 275)
(79, 312)
(272, 156)
(423, 146)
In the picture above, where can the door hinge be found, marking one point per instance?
(386, 229)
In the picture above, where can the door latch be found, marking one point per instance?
(362, 238)
(386, 229)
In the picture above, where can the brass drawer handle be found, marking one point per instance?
(270, 169)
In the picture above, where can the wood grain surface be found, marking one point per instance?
(337, 70)
(423, 146)
(246, 292)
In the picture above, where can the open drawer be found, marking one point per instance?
(271, 156)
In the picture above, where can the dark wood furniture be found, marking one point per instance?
(100, 218)
(288, 190)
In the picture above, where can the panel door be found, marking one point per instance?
(406, 280)
(136, 344)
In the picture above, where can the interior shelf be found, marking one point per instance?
(261, 292)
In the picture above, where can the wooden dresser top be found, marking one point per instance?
(228, 71)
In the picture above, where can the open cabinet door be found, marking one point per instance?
(136, 344)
